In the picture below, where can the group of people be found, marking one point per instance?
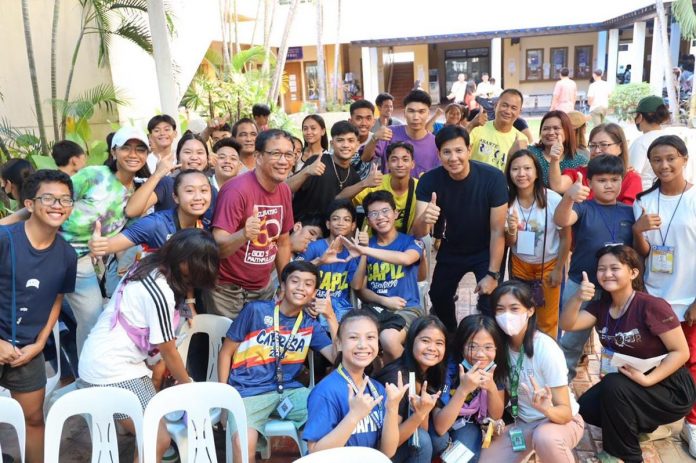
(324, 245)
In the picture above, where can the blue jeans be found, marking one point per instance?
(573, 342)
(86, 302)
(432, 444)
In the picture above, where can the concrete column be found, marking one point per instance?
(161, 51)
(497, 60)
(656, 63)
(601, 51)
(674, 42)
(370, 73)
(638, 52)
(612, 57)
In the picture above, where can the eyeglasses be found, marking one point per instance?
(49, 200)
(275, 155)
(603, 145)
(140, 149)
(475, 348)
(375, 214)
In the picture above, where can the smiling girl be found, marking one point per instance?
(315, 139)
(347, 408)
(557, 148)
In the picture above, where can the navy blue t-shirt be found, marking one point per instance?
(40, 276)
(153, 230)
(465, 205)
(165, 199)
(597, 226)
(328, 405)
(392, 280)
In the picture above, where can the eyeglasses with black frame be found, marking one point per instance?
(275, 155)
(49, 200)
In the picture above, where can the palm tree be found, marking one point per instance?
(683, 11)
(268, 16)
(282, 55)
(321, 69)
(33, 76)
(669, 75)
(54, 68)
(337, 47)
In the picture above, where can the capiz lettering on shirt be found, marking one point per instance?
(267, 338)
(380, 271)
(371, 423)
(334, 281)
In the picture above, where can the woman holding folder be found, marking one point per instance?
(629, 401)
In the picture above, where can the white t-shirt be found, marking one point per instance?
(679, 287)
(638, 156)
(109, 355)
(599, 89)
(532, 219)
(485, 89)
(458, 90)
(548, 366)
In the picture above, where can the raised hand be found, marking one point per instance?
(322, 306)
(578, 192)
(354, 249)
(252, 226)
(470, 380)
(384, 133)
(482, 117)
(330, 256)
(361, 404)
(166, 164)
(647, 222)
(556, 151)
(586, 291)
(98, 244)
(361, 236)
(432, 211)
(542, 399)
(513, 221)
(486, 380)
(395, 392)
(316, 168)
(374, 178)
(520, 143)
(422, 404)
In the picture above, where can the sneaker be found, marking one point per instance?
(688, 433)
(662, 432)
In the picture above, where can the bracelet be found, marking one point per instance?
(191, 300)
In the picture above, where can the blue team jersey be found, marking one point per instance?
(392, 280)
(328, 405)
(253, 364)
(335, 277)
(165, 199)
(153, 230)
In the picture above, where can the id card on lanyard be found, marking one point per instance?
(516, 435)
(373, 390)
(662, 257)
(279, 356)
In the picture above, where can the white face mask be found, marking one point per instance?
(511, 323)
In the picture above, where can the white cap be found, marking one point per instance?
(126, 133)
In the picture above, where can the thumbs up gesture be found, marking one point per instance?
(361, 236)
(513, 221)
(587, 289)
(432, 211)
(384, 133)
(520, 143)
(322, 306)
(647, 222)
(316, 168)
(374, 178)
(98, 244)
(252, 226)
(578, 192)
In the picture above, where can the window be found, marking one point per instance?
(534, 64)
(583, 62)
(559, 60)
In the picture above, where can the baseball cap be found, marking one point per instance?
(649, 104)
(126, 133)
(577, 119)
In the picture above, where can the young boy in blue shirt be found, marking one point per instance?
(267, 345)
(598, 222)
(389, 272)
(38, 268)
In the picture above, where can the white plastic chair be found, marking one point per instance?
(11, 413)
(346, 455)
(100, 403)
(196, 399)
(278, 428)
(216, 328)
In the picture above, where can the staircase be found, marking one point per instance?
(401, 82)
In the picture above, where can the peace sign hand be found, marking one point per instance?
(542, 399)
(395, 392)
(361, 404)
(422, 404)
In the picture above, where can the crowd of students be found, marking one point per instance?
(324, 245)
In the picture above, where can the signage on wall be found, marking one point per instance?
(467, 52)
(294, 53)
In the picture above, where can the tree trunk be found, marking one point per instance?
(321, 69)
(226, 50)
(256, 22)
(337, 48)
(54, 69)
(669, 75)
(4, 150)
(71, 73)
(268, 15)
(33, 76)
(236, 28)
(282, 55)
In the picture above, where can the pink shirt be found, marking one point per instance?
(564, 94)
(252, 264)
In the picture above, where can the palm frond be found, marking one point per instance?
(137, 5)
(683, 11)
(254, 54)
(137, 31)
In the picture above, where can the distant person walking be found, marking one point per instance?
(564, 93)
(598, 98)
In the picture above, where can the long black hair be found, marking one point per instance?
(468, 328)
(324, 138)
(523, 293)
(539, 190)
(665, 140)
(435, 375)
(192, 248)
(626, 255)
(347, 317)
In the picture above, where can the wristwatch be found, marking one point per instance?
(495, 275)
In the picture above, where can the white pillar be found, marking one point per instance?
(497, 60)
(656, 62)
(674, 42)
(638, 52)
(161, 51)
(612, 57)
(601, 51)
(370, 73)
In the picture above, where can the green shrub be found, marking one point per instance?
(625, 98)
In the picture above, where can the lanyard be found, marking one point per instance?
(13, 303)
(619, 319)
(373, 390)
(612, 229)
(664, 238)
(279, 356)
(514, 383)
(526, 219)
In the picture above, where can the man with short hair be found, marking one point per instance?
(244, 131)
(417, 112)
(261, 112)
(492, 141)
(458, 90)
(385, 104)
(598, 98)
(38, 268)
(219, 132)
(251, 224)
(485, 88)
(362, 116)
(468, 202)
(161, 131)
(69, 157)
(565, 92)
(228, 165)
